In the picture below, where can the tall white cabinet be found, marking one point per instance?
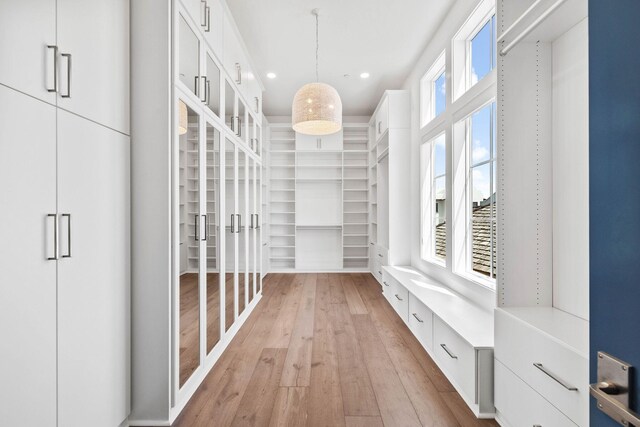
(64, 297)
(197, 241)
(542, 320)
(389, 155)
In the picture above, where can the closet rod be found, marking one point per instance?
(517, 21)
(531, 27)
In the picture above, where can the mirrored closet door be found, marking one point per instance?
(252, 261)
(242, 231)
(189, 237)
(212, 235)
(231, 234)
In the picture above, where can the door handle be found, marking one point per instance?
(451, 355)
(555, 378)
(206, 228)
(68, 254)
(68, 56)
(233, 223)
(208, 94)
(195, 227)
(613, 389)
(239, 223)
(251, 222)
(55, 237)
(203, 11)
(238, 73)
(257, 104)
(55, 68)
(257, 221)
(379, 127)
(208, 19)
(239, 130)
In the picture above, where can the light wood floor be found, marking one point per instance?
(325, 350)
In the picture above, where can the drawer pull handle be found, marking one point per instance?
(380, 255)
(400, 299)
(556, 379)
(380, 272)
(417, 318)
(451, 355)
(385, 283)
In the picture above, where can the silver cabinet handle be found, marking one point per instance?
(206, 228)
(451, 355)
(55, 68)
(239, 223)
(379, 127)
(380, 272)
(208, 19)
(257, 104)
(207, 96)
(555, 378)
(55, 237)
(197, 87)
(68, 254)
(203, 11)
(68, 56)
(399, 299)
(196, 226)
(239, 130)
(233, 223)
(385, 283)
(371, 243)
(238, 73)
(417, 318)
(257, 221)
(380, 255)
(251, 222)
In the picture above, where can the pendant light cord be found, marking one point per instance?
(317, 48)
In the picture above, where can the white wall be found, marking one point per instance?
(441, 40)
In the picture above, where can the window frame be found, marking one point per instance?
(428, 91)
(490, 18)
(428, 201)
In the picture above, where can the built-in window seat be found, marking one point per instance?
(457, 333)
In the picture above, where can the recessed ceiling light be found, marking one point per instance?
(271, 75)
(364, 75)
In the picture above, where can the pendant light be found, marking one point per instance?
(317, 108)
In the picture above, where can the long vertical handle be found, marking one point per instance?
(204, 90)
(239, 131)
(196, 226)
(55, 237)
(233, 223)
(208, 94)
(239, 223)
(68, 56)
(68, 254)
(379, 127)
(196, 86)
(55, 68)
(206, 228)
(208, 19)
(251, 222)
(257, 104)
(257, 221)
(203, 13)
(238, 73)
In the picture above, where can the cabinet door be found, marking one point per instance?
(243, 234)
(252, 260)
(231, 235)
(230, 106)
(197, 11)
(213, 28)
(26, 29)
(93, 274)
(189, 45)
(259, 239)
(212, 82)
(212, 236)
(382, 118)
(94, 79)
(28, 285)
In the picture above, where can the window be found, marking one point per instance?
(434, 200)
(474, 49)
(482, 191)
(482, 56)
(433, 91)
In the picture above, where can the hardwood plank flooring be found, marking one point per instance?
(323, 350)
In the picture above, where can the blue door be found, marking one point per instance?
(614, 174)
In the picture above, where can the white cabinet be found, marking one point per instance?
(421, 321)
(382, 117)
(26, 29)
(71, 53)
(455, 356)
(68, 343)
(93, 282)
(28, 287)
(93, 40)
(331, 142)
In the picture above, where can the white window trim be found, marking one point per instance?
(427, 91)
(427, 208)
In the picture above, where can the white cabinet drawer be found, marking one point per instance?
(456, 357)
(400, 301)
(520, 405)
(527, 352)
(421, 322)
(376, 269)
(381, 255)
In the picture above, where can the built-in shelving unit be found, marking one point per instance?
(319, 199)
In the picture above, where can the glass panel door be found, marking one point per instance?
(189, 238)
(229, 105)
(251, 132)
(242, 231)
(241, 130)
(212, 235)
(252, 261)
(212, 85)
(259, 221)
(189, 56)
(230, 305)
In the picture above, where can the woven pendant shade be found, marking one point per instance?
(317, 110)
(183, 120)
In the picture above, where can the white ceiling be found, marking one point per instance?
(382, 37)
